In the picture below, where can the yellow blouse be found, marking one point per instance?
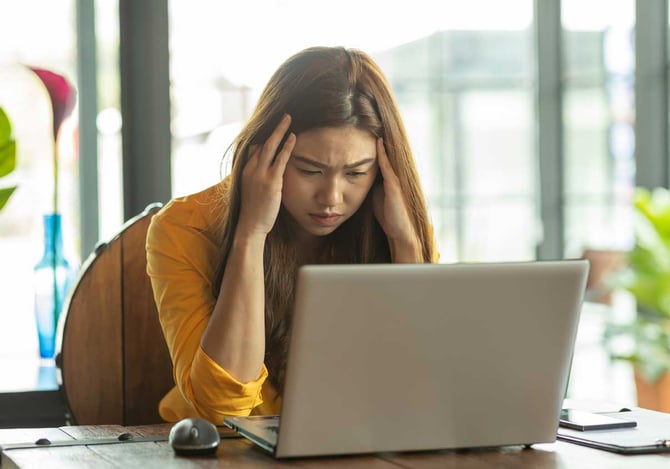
(182, 253)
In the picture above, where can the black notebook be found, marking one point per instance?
(651, 435)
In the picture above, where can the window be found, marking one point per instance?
(598, 122)
(44, 40)
(599, 165)
(44, 35)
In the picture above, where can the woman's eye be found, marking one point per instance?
(356, 173)
(309, 172)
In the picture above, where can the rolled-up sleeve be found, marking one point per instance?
(181, 263)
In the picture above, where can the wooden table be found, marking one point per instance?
(238, 452)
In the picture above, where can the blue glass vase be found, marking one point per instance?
(53, 277)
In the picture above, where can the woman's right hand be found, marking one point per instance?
(262, 182)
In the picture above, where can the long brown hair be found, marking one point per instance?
(322, 87)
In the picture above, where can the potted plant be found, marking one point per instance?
(645, 340)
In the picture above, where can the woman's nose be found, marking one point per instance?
(330, 193)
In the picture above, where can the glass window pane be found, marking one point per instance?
(498, 142)
(44, 40)
(598, 116)
(499, 230)
(598, 142)
(598, 220)
(110, 167)
(587, 160)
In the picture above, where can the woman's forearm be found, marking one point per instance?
(235, 335)
(406, 252)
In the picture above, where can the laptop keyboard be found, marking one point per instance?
(272, 428)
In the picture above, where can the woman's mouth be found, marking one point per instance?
(326, 219)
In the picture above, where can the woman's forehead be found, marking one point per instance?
(336, 145)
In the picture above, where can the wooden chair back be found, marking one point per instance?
(114, 363)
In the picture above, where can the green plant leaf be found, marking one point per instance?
(650, 335)
(645, 341)
(5, 128)
(7, 158)
(654, 206)
(5, 194)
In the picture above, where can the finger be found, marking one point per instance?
(254, 152)
(383, 160)
(285, 154)
(272, 143)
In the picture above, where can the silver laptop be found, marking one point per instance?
(411, 357)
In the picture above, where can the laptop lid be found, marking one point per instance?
(428, 356)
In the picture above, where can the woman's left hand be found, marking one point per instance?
(391, 211)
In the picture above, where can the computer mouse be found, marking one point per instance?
(194, 436)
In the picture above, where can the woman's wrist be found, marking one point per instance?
(406, 251)
(244, 238)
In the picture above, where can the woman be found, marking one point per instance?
(322, 173)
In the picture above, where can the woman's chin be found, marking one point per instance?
(317, 230)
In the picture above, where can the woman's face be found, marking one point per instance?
(330, 173)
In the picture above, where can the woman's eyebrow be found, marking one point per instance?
(318, 164)
(359, 163)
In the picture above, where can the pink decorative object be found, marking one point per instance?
(63, 95)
